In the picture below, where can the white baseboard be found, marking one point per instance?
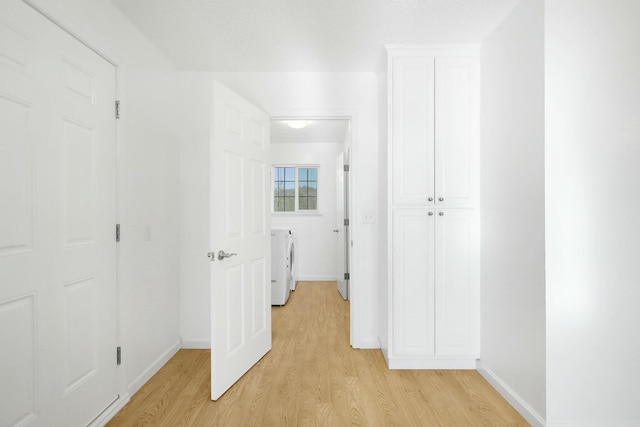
(366, 344)
(197, 344)
(512, 397)
(317, 279)
(594, 424)
(397, 363)
(111, 411)
(136, 384)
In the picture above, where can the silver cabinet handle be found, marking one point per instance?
(336, 231)
(431, 199)
(430, 213)
(222, 255)
(441, 199)
(441, 213)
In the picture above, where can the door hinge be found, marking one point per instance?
(117, 108)
(346, 168)
(346, 221)
(118, 356)
(117, 232)
(347, 276)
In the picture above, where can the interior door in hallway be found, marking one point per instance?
(341, 228)
(57, 224)
(240, 238)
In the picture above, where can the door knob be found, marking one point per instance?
(431, 199)
(441, 213)
(222, 255)
(430, 213)
(441, 199)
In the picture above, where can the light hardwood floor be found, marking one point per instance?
(312, 377)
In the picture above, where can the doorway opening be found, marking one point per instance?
(310, 159)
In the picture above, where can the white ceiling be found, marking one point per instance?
(319, 131)
(305, 35)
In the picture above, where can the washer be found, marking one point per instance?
(280, 265)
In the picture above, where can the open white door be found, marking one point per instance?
(240, 238)
(341, 228)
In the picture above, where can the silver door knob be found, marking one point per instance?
(430, 213)
(222, 255)
(431, 199)
(441, 213)
(441, 199)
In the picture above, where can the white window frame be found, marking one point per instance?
(297, 211)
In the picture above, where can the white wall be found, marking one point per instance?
(148, 184)
(592, 212)
(316, 240)
(306, 94)
(512, 210)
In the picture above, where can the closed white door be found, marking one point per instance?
(456, 290)
(341, 229)
(456, 130)
(412, 131)
(240, 233)
(413, 282)
(57, 225)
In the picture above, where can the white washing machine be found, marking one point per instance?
(280, 265)
(293, 250)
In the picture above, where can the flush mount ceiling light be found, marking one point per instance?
(297, 124)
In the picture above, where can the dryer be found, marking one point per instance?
(280, 265)
(293, 250)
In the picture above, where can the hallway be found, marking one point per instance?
(313, 377)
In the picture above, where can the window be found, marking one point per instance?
(295, 188)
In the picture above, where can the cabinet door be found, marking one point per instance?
(456, 131)
(413, 282)
(456, 291)
(412, 131)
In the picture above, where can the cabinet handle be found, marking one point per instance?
(431, 199)
(430, 213)
(441, 199)
(441, 213)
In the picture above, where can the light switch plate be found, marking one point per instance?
(369, 217)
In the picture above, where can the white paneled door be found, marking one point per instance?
(456, 289)
(341, 229)
(57, 222)
(240, 238)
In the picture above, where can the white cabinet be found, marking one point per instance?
(434, 130)
(434, 288)
(433, 296)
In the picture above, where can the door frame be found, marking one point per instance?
(60, 19)
(355, 298)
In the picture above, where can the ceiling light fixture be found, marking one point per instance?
(297, 124)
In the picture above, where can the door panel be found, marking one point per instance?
(241, 283)
(455, 131)
(413, 282)
(413, 131)
(455, 283)
(341, 230)
(16, 176)
(57, 219)
(18, 367)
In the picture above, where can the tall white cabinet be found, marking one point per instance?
(432, 317)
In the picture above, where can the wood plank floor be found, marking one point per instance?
(312, 377)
